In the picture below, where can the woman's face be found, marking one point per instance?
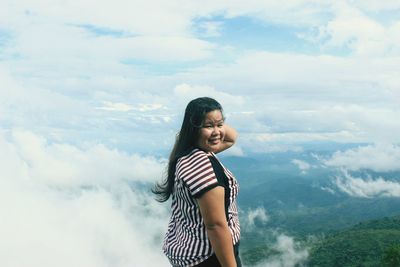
(212, 133)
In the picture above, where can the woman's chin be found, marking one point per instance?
(213, 147)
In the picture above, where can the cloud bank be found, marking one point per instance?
(367, 188)
(381, 158)
(291, 254)
(65, 206)
(377, 157)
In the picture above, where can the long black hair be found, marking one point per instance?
(186, 139)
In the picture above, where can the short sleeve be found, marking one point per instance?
(197, 173)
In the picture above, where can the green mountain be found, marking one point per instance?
(372, 243)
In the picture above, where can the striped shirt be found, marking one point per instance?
(186, 242)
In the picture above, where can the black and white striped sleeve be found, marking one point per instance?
(197, 173)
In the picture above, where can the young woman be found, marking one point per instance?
(204, 227)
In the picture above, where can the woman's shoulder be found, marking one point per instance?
(193, 155)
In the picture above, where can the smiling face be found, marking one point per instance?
(212, 132)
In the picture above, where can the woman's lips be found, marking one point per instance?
(214, 141)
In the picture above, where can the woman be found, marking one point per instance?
(204, 227)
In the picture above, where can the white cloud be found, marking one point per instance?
(328, 189)
(255, 215)
(70, 44)
(359, 187)
(186, 92)
(291, 254)
(358, 95)
(377, 5)
(355, 30)
(252, 144)
(149, 107)
(270, 71)
(167, 48)
(130, 16)
(110, 106)
(302, 165)
(68, 166)
(300, 12)
(166, 18)
(36, 105)
(378, 157)
(235, 150)
(65, 206)
(116, 107)
(352, 26)
(284, 141)
(210, 28)
(15, 95)
(165, 35)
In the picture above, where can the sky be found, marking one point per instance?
(92, 94)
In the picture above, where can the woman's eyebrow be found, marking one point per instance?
(211, 122)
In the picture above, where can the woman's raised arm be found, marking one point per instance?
(229, 139)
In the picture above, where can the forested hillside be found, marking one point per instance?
(373, 243)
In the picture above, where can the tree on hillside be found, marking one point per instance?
(391, 257)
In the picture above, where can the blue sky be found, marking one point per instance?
(92, 94)
(77, 75)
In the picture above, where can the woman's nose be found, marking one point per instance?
(215, 129)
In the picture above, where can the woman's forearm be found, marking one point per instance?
(230, 136)
(221, 241)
